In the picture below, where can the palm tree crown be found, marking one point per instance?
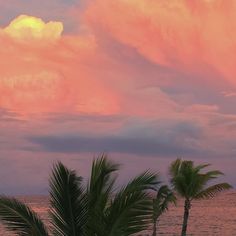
(191, 183)
(164, 197)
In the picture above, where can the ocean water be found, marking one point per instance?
(215, 217)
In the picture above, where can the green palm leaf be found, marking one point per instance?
(161, 203)
(68, 202)
(99, 192)
(211, 191)
(101, 181)
(20, 219)
(175, 167)
(130, 211)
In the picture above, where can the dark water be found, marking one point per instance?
(215, 217)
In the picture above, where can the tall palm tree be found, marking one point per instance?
(190, 183)
(164, 197)
(92, 209)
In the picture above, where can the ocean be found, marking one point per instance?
(216, 217)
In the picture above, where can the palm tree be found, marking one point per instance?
(92, 209)
(190, 183)
(164, 197)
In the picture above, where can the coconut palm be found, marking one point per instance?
(190, 183)
(93, 209)
(164, 197)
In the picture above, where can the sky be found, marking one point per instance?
(143, 81)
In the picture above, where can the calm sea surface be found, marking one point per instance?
(215, 217)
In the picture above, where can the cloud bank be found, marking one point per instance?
(144, 80)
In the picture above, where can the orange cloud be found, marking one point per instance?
(188, 35)
(77, 72)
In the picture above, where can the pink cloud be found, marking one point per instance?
(70, 73)
(182, 34)
(49, 74)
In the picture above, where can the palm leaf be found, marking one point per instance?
(20, 219)
(161, 203)
(130, 211)
(202, 166)
(68, 202)
(213, 174)
(211, 191)
(102, 178)
(175, 167)
(99, 192)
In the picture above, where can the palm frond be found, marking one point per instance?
(211, 191)
(100, 191)
(102, 178)
(175, 167)
(202, 166)
(20, 219)
(203, 179)
(162, 201)
(68, 202)
(213, 174)
(131, 210)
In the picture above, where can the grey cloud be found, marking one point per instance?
(155, 138)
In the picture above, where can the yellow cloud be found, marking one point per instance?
(29, 27)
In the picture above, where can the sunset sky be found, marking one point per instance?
(146, 81)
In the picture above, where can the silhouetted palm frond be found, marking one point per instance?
(131, 209)
(20, 219)
(68, 202)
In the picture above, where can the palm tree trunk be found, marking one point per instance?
(187, 206)
(155, 223)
